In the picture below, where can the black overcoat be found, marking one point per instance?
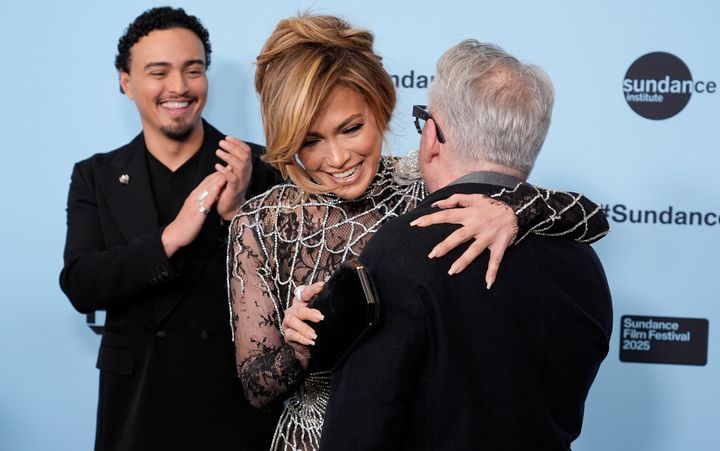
(454, 366)
(166, 359)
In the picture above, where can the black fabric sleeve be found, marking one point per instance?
(95, 277)
(547, 212)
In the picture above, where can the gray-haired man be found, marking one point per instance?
(455, 365)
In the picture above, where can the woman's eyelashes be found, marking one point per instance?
(353, 128)
(347, 131)
(310, 142)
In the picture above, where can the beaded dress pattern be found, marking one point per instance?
(280, 240)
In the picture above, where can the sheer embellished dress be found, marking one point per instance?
(281, 240)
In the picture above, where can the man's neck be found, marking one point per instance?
(464, 167)
(170, 152)
(452, 171)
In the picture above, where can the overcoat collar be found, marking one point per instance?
(126, 184)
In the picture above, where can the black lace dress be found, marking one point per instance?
(280, 240)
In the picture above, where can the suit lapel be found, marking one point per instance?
(126, 185)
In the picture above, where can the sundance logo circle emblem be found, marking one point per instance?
(659, 85)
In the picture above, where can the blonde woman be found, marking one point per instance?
(326, 103)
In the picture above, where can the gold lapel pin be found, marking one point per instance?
(124, 179)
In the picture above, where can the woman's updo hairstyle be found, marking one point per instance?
(297, 69)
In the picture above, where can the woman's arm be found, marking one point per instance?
(507, 217)
(267, 365)
(547, 212)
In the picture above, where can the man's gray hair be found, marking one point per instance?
(493, 106)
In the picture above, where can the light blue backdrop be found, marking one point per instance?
(61, 104)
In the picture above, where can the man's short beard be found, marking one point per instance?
(179, 132)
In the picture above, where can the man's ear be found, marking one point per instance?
(125, 83)
(433, 145)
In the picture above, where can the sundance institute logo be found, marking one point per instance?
(659, 85)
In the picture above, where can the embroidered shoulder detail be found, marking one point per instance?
(407, 169)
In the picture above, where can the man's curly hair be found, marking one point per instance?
(162, 18)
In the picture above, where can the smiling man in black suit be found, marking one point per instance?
(147, 226)
(455, 365)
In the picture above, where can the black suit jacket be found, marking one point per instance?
(455, 366)
(166, 360)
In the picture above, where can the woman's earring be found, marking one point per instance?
(299, 163)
